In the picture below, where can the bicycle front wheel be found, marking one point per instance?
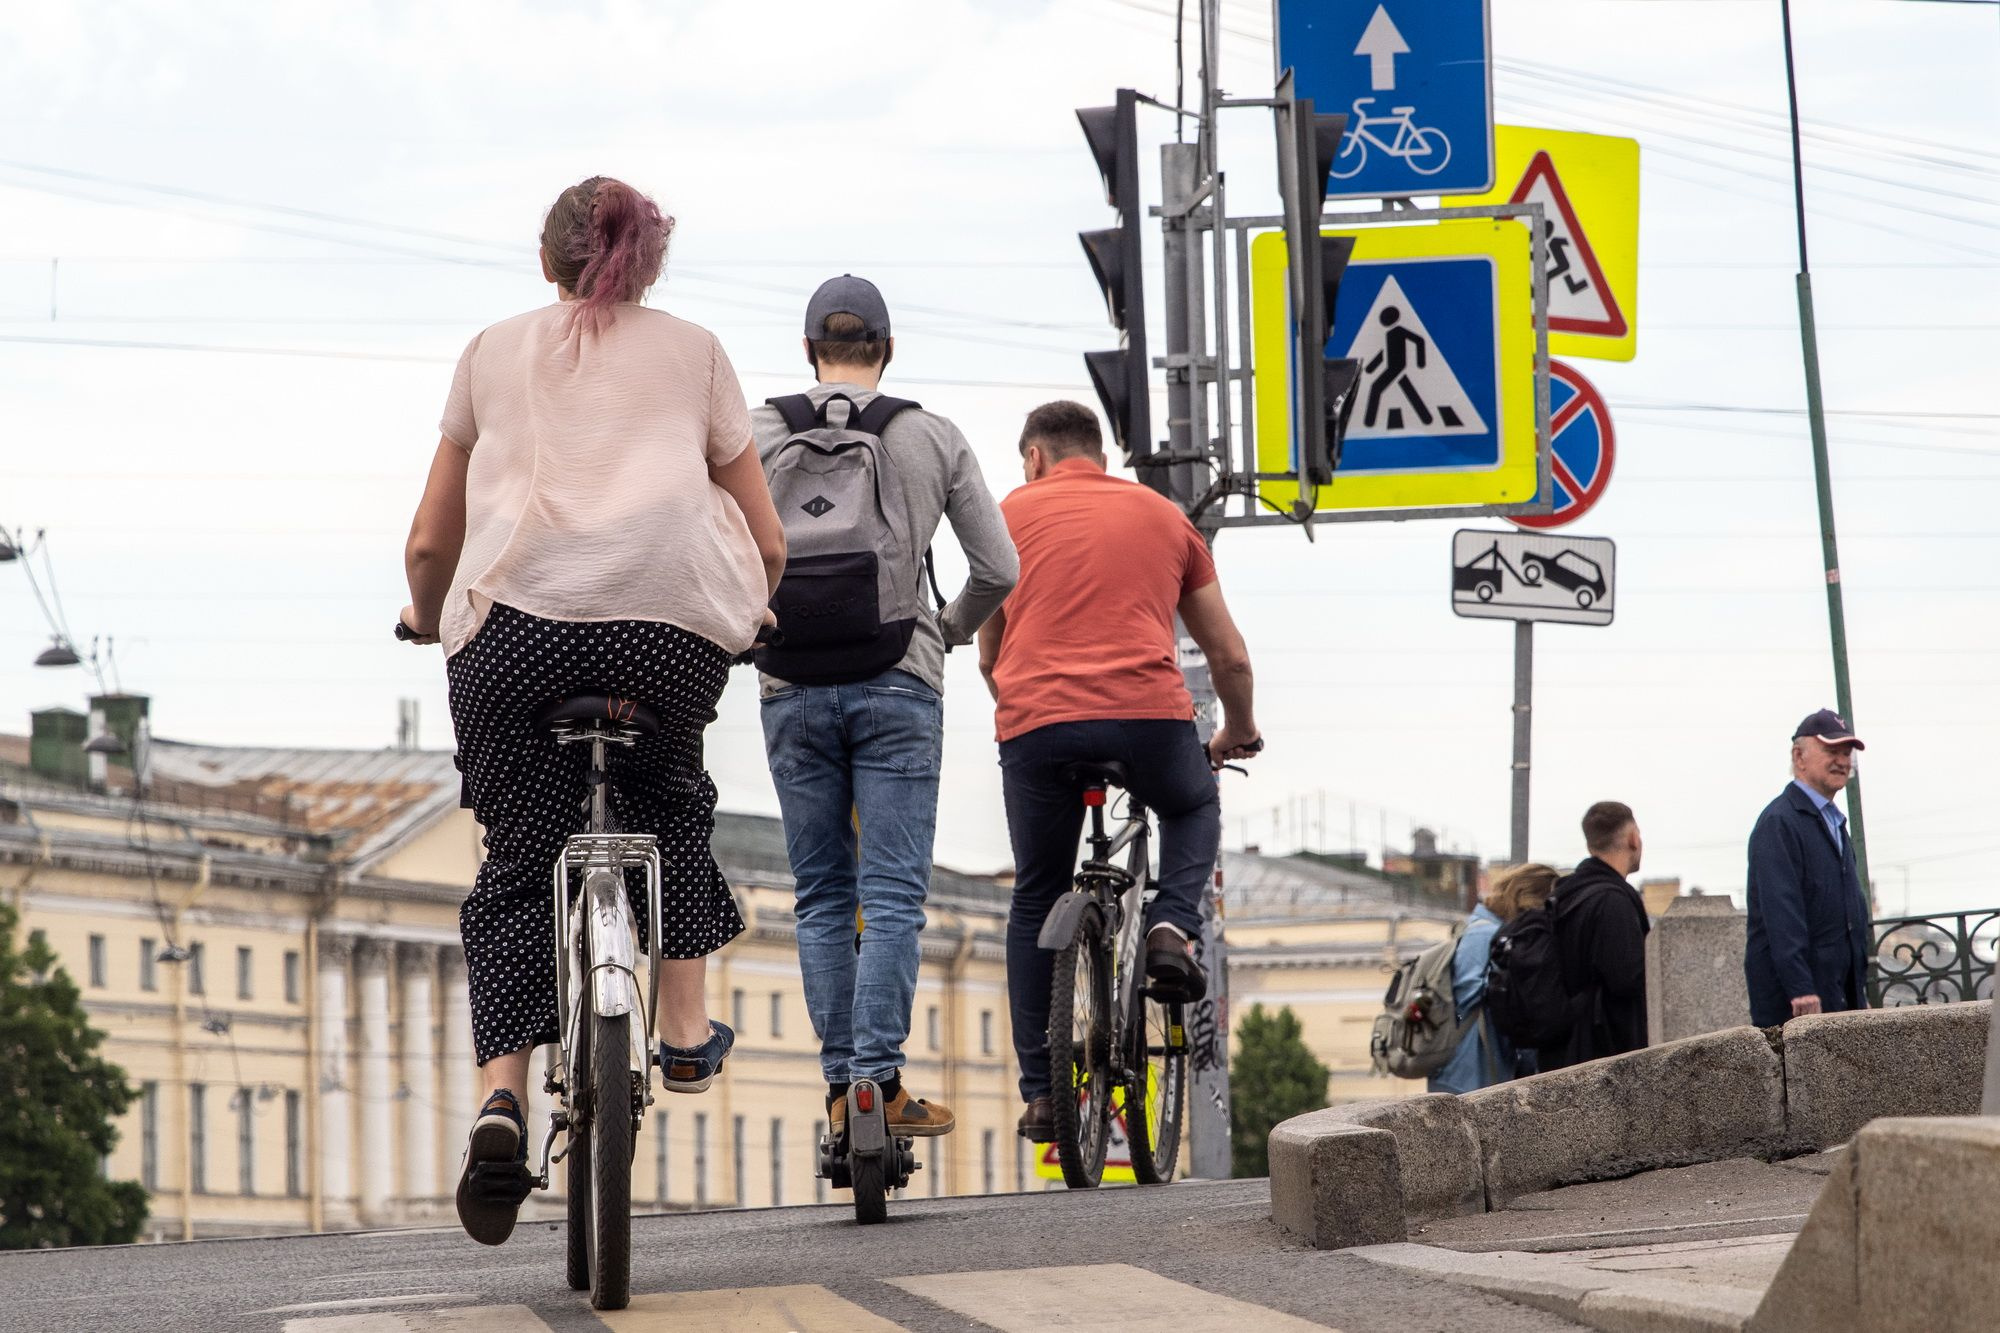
(1155, 1089)
(611, 1163)
(1080, 1053)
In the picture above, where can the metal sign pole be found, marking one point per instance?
(1524, 707)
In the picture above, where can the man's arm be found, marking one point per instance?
(1620, 948)
(993, 566)
(1777, 868)
(1209, 623)
(990, 635)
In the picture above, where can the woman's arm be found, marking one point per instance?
(437, 534)
(742, 477)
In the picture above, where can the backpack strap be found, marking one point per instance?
(798, 411)
(930, 572)
(875, 418)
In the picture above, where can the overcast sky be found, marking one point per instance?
(224, 420)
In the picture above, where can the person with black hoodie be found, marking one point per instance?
(1600, 930)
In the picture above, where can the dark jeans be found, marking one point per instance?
(1170, 776)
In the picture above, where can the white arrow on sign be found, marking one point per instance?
(1381, 43)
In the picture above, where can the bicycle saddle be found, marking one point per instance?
(1086, 773)
(582, 710)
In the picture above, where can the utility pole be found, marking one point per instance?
(1836, 614)
(1524, 712)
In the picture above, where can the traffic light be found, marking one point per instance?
(1120, 377)
(1324, 387)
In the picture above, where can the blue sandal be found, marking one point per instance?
(692, 1069)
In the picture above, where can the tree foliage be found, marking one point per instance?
(58, 1098)
(1273, 1078)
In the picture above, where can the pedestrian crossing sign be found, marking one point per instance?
(1588, 187)
(1441, 318)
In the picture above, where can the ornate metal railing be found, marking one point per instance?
(1933, 959)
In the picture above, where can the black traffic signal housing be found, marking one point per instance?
(1121, 377)
(1324, 387)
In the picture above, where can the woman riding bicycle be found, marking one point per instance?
(595, 520)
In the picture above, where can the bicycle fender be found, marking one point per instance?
(1064, 919)
(614, 988)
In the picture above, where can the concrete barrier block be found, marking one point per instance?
(1336, 1183)
(1927, 1197)
(1702, 1099)
(1816, 1290)
(1844, 1070)
(1694, 969)
(1439, 1148)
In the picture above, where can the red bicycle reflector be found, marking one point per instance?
(864, 1100)
(1094, 796)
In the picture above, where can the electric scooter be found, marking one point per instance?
(864, 1156)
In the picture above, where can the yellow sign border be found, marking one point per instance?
(1600, 176)
(1517, 477)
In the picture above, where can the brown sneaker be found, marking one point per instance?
(920, 1119)
(1038, 1122)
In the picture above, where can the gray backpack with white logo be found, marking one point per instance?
(849, 601)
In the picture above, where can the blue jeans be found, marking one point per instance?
(1170, 776)
(867, 753)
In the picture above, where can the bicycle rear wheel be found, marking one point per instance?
(611, 1163)
(1155, 1088)
(1080, 1053)
(576, 1239)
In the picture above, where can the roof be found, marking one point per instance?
(1305, 886)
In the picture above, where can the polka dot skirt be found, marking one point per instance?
(530, 795)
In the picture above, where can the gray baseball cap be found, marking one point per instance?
(849, 295)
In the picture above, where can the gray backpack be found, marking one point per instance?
(848, 603)
(1419, 1026)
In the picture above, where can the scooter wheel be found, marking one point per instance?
(871, 1194)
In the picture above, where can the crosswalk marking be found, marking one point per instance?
(1095, 1298)
(799, 1309)
(461, 1319)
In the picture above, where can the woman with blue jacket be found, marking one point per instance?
(1472, 1066)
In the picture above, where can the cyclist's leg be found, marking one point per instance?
(895, 731)
(1171, 775)
(1044, 821)
(807, 749)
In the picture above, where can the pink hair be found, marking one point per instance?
(605, 243)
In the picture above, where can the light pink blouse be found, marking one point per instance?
(588, 496)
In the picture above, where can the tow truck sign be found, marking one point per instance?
(1532, 576)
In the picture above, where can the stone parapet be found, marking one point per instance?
(1437, 1146)
(1844, 1070)
(1694, 969)
(1336, 1183)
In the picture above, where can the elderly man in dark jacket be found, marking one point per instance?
(1806, 943)
(1600, 928)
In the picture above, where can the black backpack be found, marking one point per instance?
(1525, 992)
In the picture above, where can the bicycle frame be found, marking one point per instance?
(1121, 892)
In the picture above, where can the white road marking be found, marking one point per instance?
(462, 1319)
(799, 1309)
(1096, 1298)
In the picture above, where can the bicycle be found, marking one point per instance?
(1121, 1048)
(1416, 146)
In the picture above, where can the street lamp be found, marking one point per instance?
(59, 653)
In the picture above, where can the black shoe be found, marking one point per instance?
(1172, 974)
(495, 1179)
(1038, 1122)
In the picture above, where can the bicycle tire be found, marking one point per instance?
(1155, 1090)
(611, 1163)
(871, 1189)
(576, 1165)
(1428, 136)
(1080, 1053)
(1354, 146)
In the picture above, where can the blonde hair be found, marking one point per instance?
(1518, 888)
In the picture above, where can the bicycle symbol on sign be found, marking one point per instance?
(1425, 148)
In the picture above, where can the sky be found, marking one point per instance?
(242, 245)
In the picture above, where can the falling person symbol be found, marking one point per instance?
(1559, 260)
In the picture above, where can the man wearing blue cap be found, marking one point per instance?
(1806, 945)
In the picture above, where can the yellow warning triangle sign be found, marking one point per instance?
(1580, 300)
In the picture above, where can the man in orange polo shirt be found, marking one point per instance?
(1082, 664)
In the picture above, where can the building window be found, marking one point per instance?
(986, 1032)
(700, 1158)
(987, 1166)
(246, 1142)
(739, 1011)
(198, 1136)
(736, 1163)
(97, 961)
(291, 976)
(819, 1181)
(245, 975)
(660, 1159)
(932, 1167)
(149, 1135)
(777, 1013)
(933, 1027)
(149, 979)
(295, 1137)
(777, 1162)
(1020, 1164)
(197, 983)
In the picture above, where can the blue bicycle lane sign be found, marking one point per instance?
(1415, 80)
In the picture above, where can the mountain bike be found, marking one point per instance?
(1112, 1048)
